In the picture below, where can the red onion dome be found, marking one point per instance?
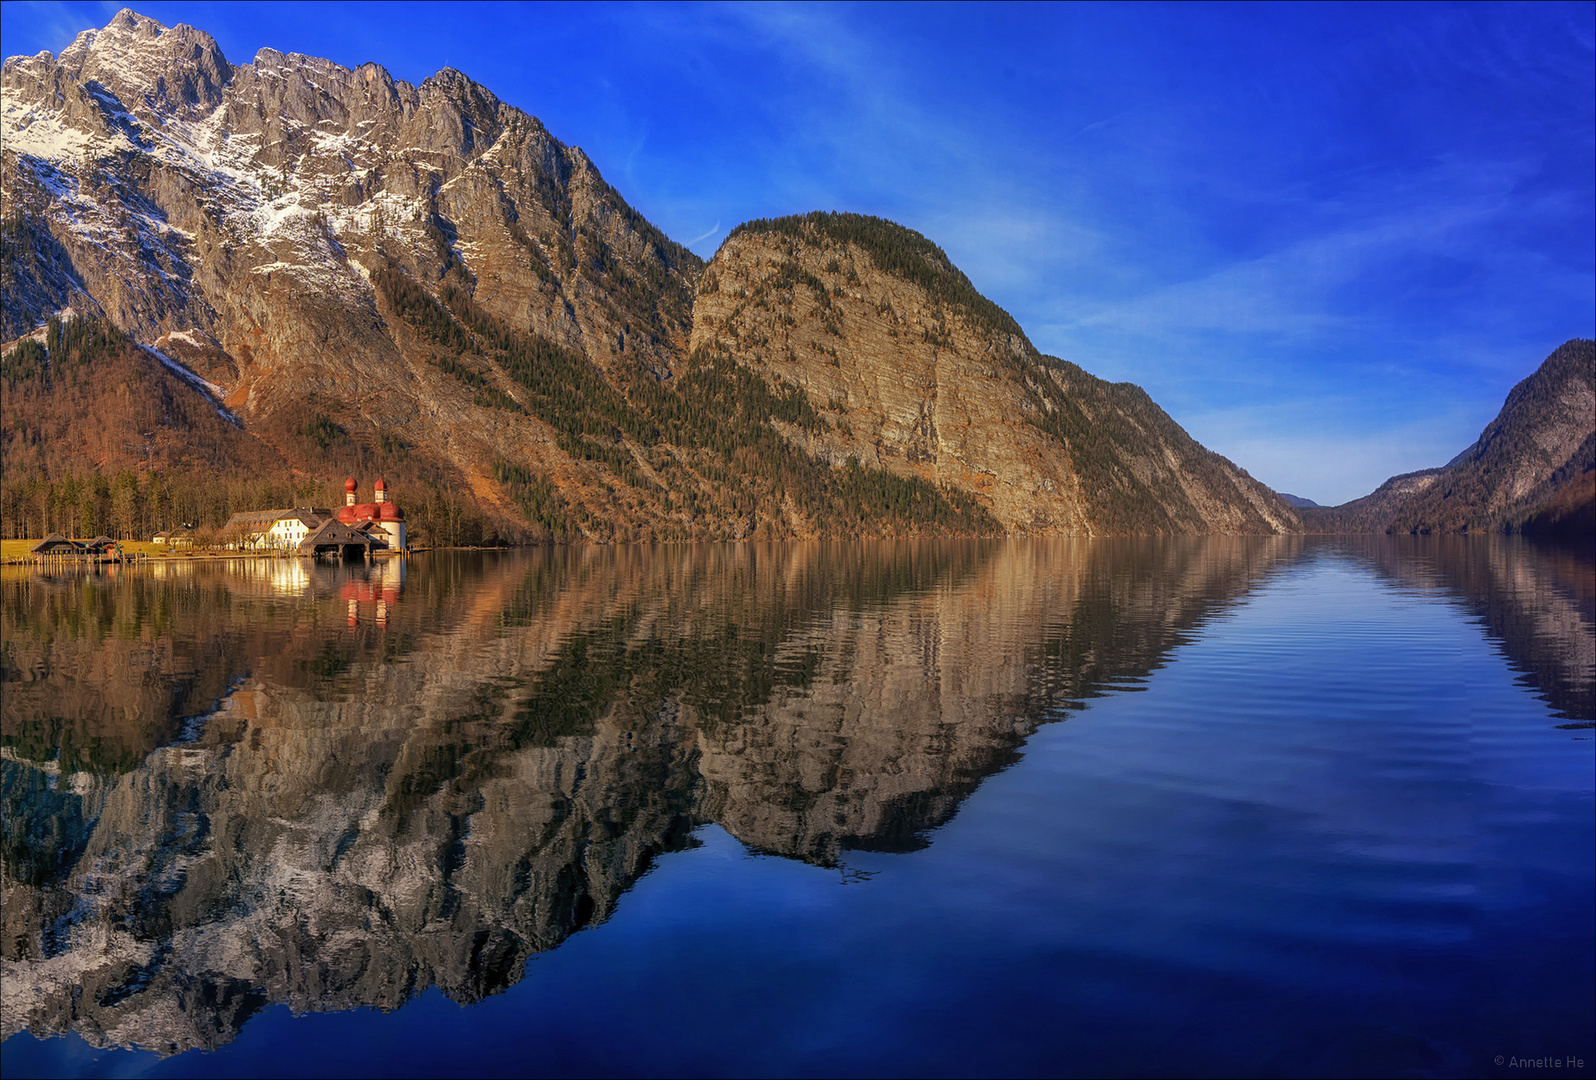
(350, 485)
(390, 512)
(382, 485)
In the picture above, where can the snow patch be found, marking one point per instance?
(211, 391)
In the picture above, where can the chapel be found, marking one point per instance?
(379, 514)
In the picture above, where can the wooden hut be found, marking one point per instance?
(335, 538)
(180, 537)
(56, 546)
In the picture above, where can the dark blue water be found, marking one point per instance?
(1221, 807)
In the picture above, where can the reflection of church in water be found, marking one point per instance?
(378, 591)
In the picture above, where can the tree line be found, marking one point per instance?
(131, 506)
(895, 250)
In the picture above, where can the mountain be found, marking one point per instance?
(1296, 500)
(1533, 468)
(354, 274)
(907, 368)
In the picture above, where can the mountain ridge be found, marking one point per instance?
(421, 280)
(357, 274)
(1532, 469)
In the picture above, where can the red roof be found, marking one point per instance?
(383, 511)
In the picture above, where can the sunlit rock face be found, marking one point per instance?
(912, 371)
(369, 810)
(277, 185)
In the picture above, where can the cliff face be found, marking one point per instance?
(270, 192)
(912, 371)
(1532, 468)
(422, 281)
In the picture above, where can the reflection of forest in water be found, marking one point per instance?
(1538, 601)
(335, 787)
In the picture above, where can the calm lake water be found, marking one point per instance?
(1257, 806)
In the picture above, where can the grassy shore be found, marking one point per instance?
(13, 552)
(16, 551)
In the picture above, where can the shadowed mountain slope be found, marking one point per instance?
(1532, 469)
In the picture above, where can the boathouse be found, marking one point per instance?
(56, 545)
(333, 537)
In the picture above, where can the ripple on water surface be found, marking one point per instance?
(1237, 805)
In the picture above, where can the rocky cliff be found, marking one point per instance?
(910, 370)
(422, 280)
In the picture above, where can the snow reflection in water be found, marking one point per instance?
(333, 787)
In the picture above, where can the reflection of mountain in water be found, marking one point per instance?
(366, 811)
(1539, 601)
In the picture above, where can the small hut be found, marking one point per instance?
(99, 545)
(55, 545)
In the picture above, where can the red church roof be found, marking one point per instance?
(369, 511)
(383, 511)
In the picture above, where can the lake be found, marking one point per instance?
(1216, 806)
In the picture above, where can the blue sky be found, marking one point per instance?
(1328, 239)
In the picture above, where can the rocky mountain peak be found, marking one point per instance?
(178, 71)
(912, 371)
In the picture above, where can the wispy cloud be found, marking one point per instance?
(49, 25)
(713, 230)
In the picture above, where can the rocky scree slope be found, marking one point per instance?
(423, 281)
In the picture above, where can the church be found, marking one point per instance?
(385, 519)
(293, 529)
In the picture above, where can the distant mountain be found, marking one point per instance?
(1532, 469)
(1296, 500)
(353, 274)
